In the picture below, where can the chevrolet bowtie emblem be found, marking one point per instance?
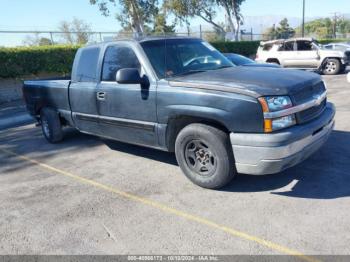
(318, 99)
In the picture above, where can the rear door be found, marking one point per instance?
(286, 53)
(82, 91)
(127, 111)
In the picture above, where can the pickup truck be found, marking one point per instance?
(181, 95)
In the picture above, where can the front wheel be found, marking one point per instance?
(332, 67)
(205, 156)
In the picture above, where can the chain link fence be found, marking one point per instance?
(36, 38)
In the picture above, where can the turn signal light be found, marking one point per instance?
(268, 125)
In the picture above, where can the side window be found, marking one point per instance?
(287, 46)
(304, 46)
(87, 65)
(267, 47)
(116, 58)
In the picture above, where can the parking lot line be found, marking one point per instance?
(167, 209)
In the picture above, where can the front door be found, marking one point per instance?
(307, 54)
(127, 111)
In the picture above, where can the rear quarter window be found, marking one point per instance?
(86, 70)
(267, 47)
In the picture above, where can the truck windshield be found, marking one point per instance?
(175, 57)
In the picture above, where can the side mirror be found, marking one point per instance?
(129, 76)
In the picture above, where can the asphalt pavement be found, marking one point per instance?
(88, 195)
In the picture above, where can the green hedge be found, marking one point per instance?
(16, 62)
(246, 48)
(328, 41)
(22, 61)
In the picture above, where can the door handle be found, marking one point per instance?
(101, 96)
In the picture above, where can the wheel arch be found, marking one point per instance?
(177, 123)
(324, 62)
(273, 60)
(41, 106)
(327, 58)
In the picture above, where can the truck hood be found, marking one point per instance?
(252, 81)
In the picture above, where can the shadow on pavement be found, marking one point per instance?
(29, 141)
(326, 175)
(153, 154)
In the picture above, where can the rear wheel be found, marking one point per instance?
(205, 156)
(51, 125)
(332, 67)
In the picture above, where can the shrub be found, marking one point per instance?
(22, 61)
(246, 48)
(16, 62)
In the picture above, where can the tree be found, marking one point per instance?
(284, 30)
(324, 27)
(161, 26)
(233, 13)
(134, 14)
(75, 32)
(207, 10)
(36, 40)
(215, 36)
(44, 41)
(270, 33)
(344, 26)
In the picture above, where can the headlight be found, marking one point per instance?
(283, 122)
(274, 104)
(277, 103)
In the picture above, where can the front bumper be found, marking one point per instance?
(260, 154)
(345, 62)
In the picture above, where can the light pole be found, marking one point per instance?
(303, 24)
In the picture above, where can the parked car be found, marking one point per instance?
(218, 118)
(240, 60)
(303, 53)
(338, 46)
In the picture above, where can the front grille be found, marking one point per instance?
(311, 113)
(306, 95)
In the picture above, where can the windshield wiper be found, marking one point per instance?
(222, 67)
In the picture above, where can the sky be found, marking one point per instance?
(46, 14)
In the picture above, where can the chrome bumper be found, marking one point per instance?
(259, 154)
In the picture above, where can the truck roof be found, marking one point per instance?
(279, 41)
(143, 39)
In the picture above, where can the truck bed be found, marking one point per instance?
(51, 92)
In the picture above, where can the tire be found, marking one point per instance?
(205, 156)
(332, 67)
(51, 125)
